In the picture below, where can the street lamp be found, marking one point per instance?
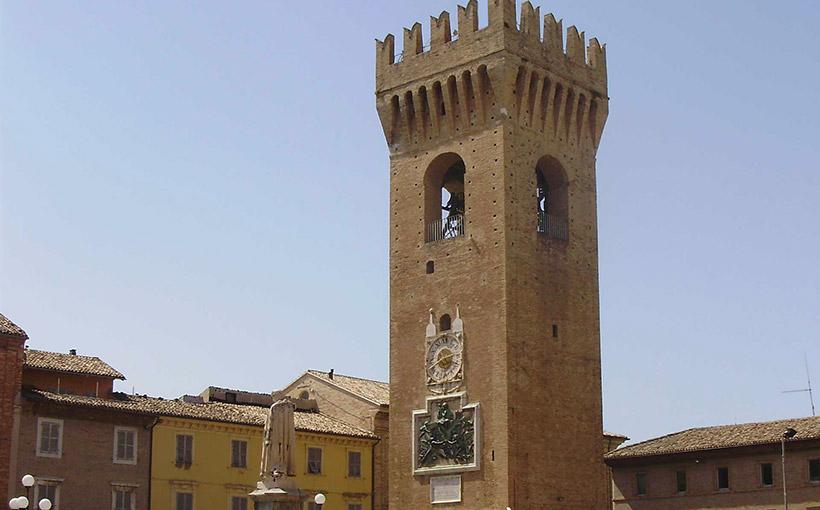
(22, 502)
(787, 434)
(319, 499)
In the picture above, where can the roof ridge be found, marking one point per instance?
(311, 370)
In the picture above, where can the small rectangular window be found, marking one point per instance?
(640, 484)
(680, 481)
(354, 506)
(49, 437)
(125, 445)
(185, 450)
(766, 475)
(185, 501)
(239, 503)
(814, 470)
(239, 454)
(314, 461)
(354, 464)
(48, 491)
(123, 499)
(723, 478)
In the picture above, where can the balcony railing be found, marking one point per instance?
(552, 226)
(445, 228)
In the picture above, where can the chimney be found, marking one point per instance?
(73, 352)
(330, 374)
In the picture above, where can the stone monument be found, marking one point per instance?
(276, 488)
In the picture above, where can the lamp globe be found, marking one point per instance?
(22, 501)
(28, 481)
(44, 504)
(13, 504)
(319, 499)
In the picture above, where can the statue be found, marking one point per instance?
(276, 488)
(278, 443)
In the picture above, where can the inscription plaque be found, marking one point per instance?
(445, 489)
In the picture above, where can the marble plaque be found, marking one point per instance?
(445, 489)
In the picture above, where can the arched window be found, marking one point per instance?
(444, 205)
(552, 198)
(444, 323)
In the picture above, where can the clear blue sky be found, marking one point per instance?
(197, 193)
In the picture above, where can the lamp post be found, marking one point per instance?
(319, 499)
(22, 502)
(787, 434)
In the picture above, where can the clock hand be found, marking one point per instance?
(443, 358)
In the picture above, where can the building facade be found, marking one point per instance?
(494, 320)
(364, 403)
(728, 467)
(206, 456)
(12, 345)
(84, 453)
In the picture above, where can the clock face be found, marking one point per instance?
(444, 359)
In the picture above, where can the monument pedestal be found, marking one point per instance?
(277, 495)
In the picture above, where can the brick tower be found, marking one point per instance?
(495, 374)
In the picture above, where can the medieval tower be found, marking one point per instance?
(495, 373)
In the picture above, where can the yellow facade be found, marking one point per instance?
(213, 482)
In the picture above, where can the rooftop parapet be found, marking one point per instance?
(582, 63)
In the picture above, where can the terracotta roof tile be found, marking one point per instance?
(9, 328)
(72, 363)
(211, 411)
(374, 391)
(723, 436)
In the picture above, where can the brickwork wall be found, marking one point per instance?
(11, 367)
(500, 98)
(86, 469)
(746, 490)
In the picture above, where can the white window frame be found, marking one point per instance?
(118, 460)
(123, 488)
(40, 452)
(50, 482)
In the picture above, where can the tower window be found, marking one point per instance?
(551, 199)
(444, 323)
(431, 267)
(445, 198)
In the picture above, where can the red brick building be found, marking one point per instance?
(12, 344)
(81, 455)
(726, 467)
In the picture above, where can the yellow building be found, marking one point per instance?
(206, 456)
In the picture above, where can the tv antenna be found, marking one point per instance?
(807, 389)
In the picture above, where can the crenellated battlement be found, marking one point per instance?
(516, 67)
(530, 36)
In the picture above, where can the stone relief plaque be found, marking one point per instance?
(445, 435)
(445, 489)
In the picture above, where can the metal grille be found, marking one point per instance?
(445, 228)
(552, 226)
